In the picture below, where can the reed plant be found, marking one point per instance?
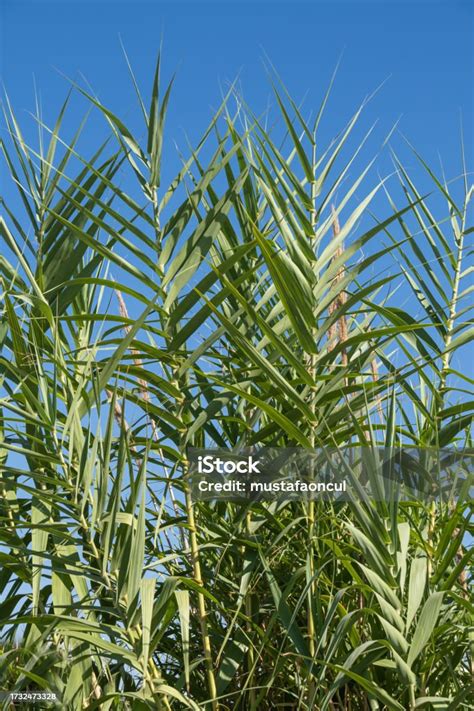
(251, 301)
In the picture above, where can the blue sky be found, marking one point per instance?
(423, 51)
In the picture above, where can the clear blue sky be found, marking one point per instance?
(423, 49)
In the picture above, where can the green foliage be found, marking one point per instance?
(226, 309)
